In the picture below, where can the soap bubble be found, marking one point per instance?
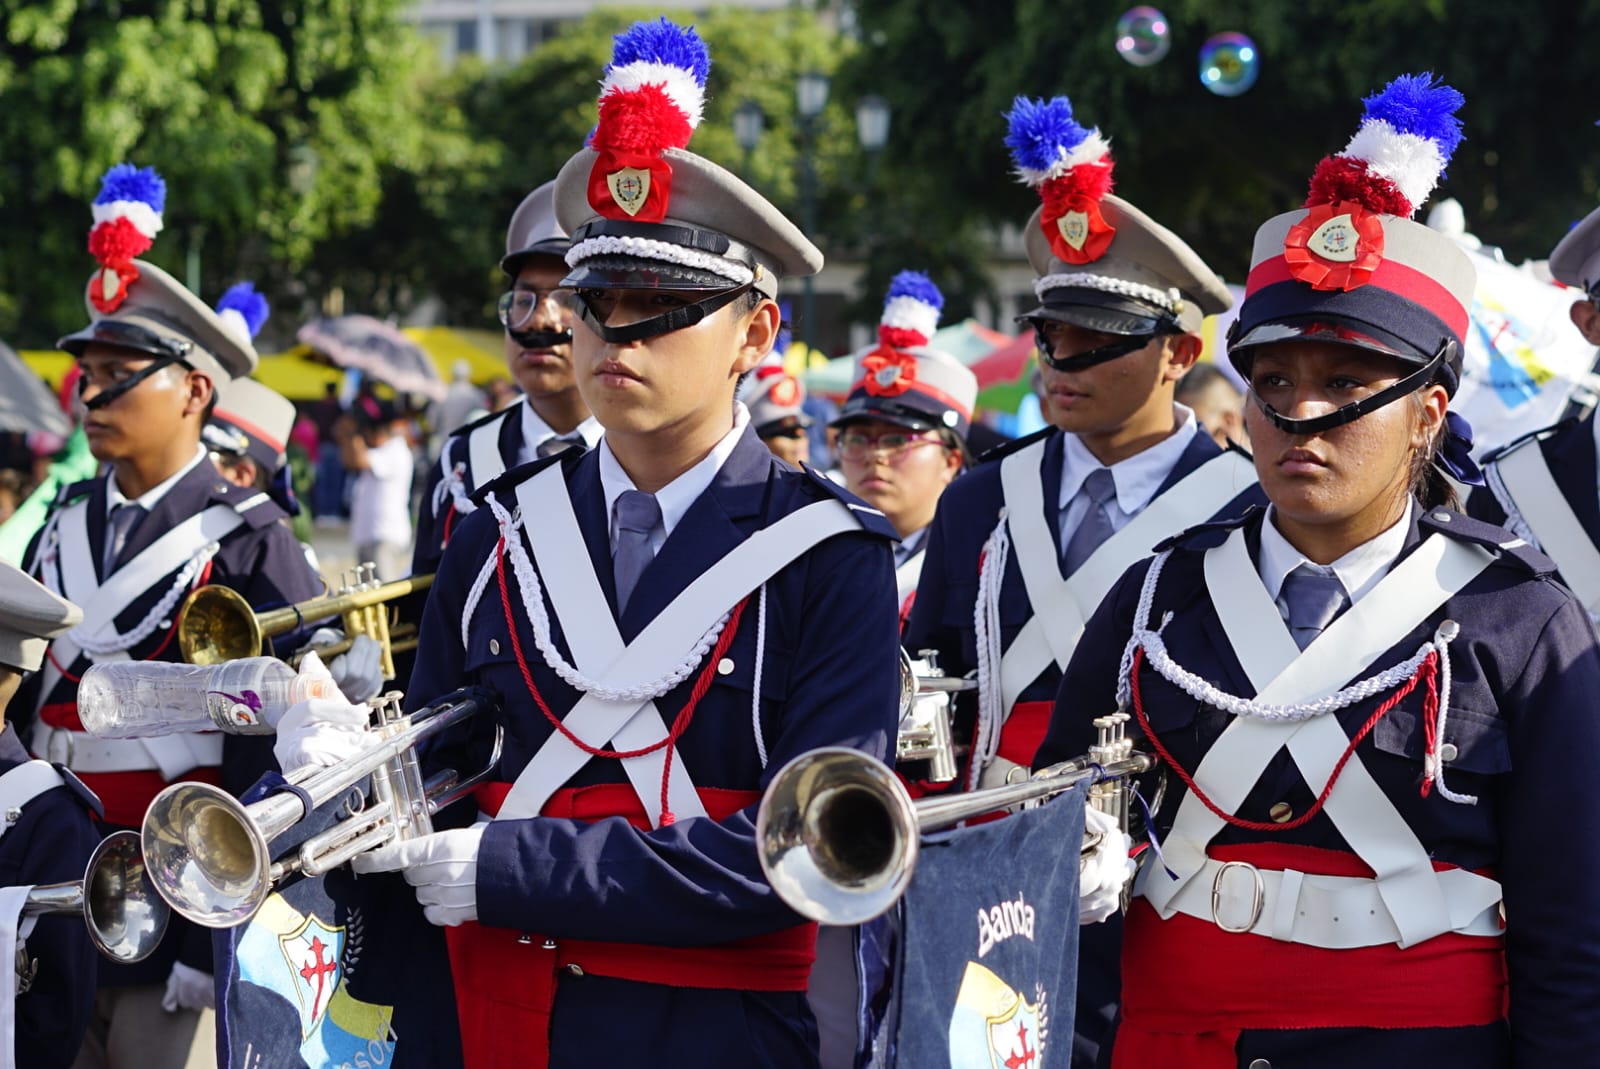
(1229, 64)
(1144, 36)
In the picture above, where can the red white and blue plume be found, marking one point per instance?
(910, 316)
(1070, 166)
(243, 311)
(127, 217)
(910, 311)
(1407, 135)
(651, 99)
(1389, 168)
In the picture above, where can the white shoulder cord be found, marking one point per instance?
(158, 614)
(533, 603)
(986, 624)
(1157, 657)
(453, 485)
(755, 689)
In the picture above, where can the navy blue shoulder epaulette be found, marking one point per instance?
(871, 519)
(513, 476)
(1510, 549)
(90, 800)
(71, 492)
(1005, 449)
(1209, 534)
(1534, 435)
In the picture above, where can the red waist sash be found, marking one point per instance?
(125, 795)
(506, 980)
(1023, 731)
(1189, 988)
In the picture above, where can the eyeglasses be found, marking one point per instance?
(517, 307)
(857, 446)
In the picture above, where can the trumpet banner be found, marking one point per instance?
(334, 972)
(987, 965)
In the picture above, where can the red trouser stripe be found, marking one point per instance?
(1189, 988)
(506, 980)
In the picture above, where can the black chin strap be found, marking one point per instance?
(1085, 360)
(677, 319)
(1356, 409)
(541, 339)
(111, 393)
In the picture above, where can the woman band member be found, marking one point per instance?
(1372, 848)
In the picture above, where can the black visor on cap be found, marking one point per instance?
(637, 273)
(1107, 313)
(511, 263)
(783, 426)
(125, 335)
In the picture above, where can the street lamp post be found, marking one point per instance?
(748, 124)
(872, 128)
(811, 96)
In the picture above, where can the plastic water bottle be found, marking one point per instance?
(139, 699)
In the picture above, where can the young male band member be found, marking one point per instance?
(127, 546)
(551, 415)
(1026, 544)
(1543, 486)
(651, 614)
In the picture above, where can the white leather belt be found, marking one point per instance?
(1336, 912)
(171, 755)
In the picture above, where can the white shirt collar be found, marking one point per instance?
(1358, 570)
(675, 497)
(1139, 476)
(151, 497)
(535, 431)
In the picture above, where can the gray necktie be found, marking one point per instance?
(637, 515)
(1095, 526)
(1309, 602)
(124, 518)
(559, 444)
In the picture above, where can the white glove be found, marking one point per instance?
(189, 989)
(443, 867)
(1106, 871)
(359, 670)
(319, 732)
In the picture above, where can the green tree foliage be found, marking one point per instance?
(277, 126)
(1214, 168)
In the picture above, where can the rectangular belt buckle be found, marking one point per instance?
(1258, 896)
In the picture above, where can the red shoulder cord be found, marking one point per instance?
(680, 723)
(205, 576)
(1425, 673)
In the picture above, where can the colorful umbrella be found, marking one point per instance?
(377, 350)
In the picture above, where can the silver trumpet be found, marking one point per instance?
(210, 855)
(125, 916)
(838, 834)
(927, 715)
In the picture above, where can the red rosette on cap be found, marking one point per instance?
(888, 372)
(1335, 247)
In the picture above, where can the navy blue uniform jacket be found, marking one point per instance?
(50, 843)
(941, 619)
(1522, 716)
(262, 561)
(430, 519)
(829, 677)
(1568, 449)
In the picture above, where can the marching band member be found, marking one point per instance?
(551, 416)
(907, 400)
(1024, 547)
(1543, 486)
(775, 398)
(247, 435)
(668, 618)
(127, 546)
(47, 837)
(1368, 704)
